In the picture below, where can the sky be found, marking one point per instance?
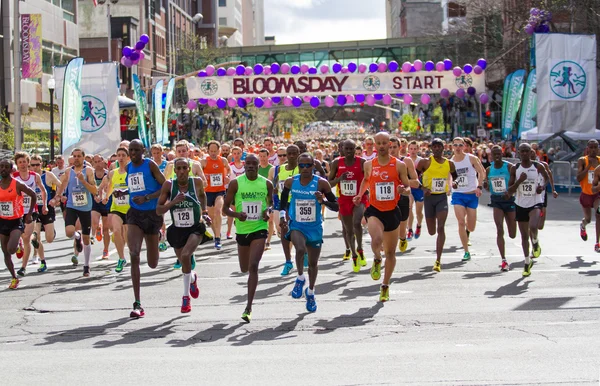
(311, 21)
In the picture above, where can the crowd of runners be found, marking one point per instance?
(385, 186)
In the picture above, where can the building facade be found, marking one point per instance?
(413, 18)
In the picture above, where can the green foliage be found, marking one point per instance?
(7, 133)
(298, 118)
(409, 123)
(438, 118)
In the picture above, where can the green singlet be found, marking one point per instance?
(251, 198)
(264, 171)
(186, 214)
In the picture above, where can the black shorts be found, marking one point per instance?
(45, 219)
(100, 208)
(7, 226)
(147, 220)
(507, 206)
(248, 238)
(390, 219)
(122, 215)
(404, 207)
(178, 237)
(523, 213)
(211, 197)
(434, 204)
(545, 203)
(85, 218)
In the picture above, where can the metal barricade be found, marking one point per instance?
(565, 174)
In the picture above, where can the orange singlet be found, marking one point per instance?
(586, 183)
(215, 175)
(383, 185)
(11, 203)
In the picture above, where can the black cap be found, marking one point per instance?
(437, 141)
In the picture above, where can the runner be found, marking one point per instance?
(436, 169)
(12, 215)
(157, 151)
(237, 169)
(369, 153)
(347, 173)
(217, 170)
(416, 195)
(588, 199)
(239, 142)
(528, 202)
(99, 208)
(498, 177)
(305, 222)
(186, 202)
(318, 170)
(264, 169)
(544, 209)
(79, 182)
(272, 156)
(465, 197)
(252, 194)
(385, 177)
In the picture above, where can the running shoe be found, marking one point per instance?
(186, 305)
(86, 271)
(78, 243)
(418, 232)
(287, 268)
(99, 233)
(597, 248)
(21, 271)
(92, 241)
(112, 238)
(194, 290)
(527, 269)
(177, 264)
(409, 235)
(229, 236)
(120, 265)
(193, 261)
(311, 303)
(402, 245)
(20, 251)
(305, 260)
(355, 264)
(298, 287)
(206, 237)
(138, 311)
(466, 256)
(347, 255)
(504, 266)
(162, 246)
(469, 242)
(247, 316)
(34, 241)
(384, 293)
(267, 246)
(437, 266)
(14, 283)
(218, 244)
(376, 270)
(74, 260)
(361, 258)
(43, 267)
(582, 232)
(35, 260)
(105, 254)
(537, 250)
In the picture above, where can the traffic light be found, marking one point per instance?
(488, 119)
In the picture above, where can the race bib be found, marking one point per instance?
(498, 184)
(123, 200)
(281, 185)
(462, 181)
(590, 177)
(384, 191)
(438, 185)
(79, 199)
(216, 179)
(252, 209)
(348, 188)
(183, 217)
(528, 188)
(136, 184)
(26, 202)
(306, 211)
(6, 209)
(38, 197)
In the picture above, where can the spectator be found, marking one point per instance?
(560, 153)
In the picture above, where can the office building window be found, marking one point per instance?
(222, 3)
(222, 21)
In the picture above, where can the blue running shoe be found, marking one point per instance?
(311, 303)
(193, 262)
(298, 287)
(177, 264)
(305, 260)
(287, 268)
(218, 243)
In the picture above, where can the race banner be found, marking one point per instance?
(72, 104)
(528, 115)
(99, 116)
(158, 121)
(31, 45)
(169, 98)
(505, 95)
(513, 102)
(566, 82)
(140, 103)
(421, 82)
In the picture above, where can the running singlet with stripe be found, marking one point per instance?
(349, 187)
(527, 196)
(586, 183)
(11, 203)
(466, 175)
(305, 209)
(79, 198)
(215, 175)
(251, 198)
(50, 191)
(186, 214)
(173, 175)
(162, 166)
(498, 179)
(274, 159)
(119, 182)
(235, 171)
(383, 185)
(283, 175)
(30, 183)
(435, 178)
(369, 157)
(141, 182)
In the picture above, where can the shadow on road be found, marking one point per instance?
(159, 331)
(511, 289)
(479, 275)
(269, 334)
(353, 293)
(81, 333)
(265, 293)
(543, 304)
(361, 317)
(413, 277)
(579, 263)
(211, 334)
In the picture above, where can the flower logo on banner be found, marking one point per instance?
(567, 79)
(209, 87)
(371, 83)
(464, 81)
(93, 115)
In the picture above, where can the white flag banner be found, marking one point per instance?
(566, 82)
(100, 126)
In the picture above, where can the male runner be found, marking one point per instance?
(12, 215)
(544, 209)
(273, 174)
(416, 196)
(226, 151)
(318, 170)
(60, 167)
(237, 169)
(157, 156)
(436, 170)
(264, 169)
(524, 180)
(369, 153)
(239, 142)
(305, 222)
(79, 182)
(386, 178)
(100, 209)
(272, 157)
(588, 199)
(186, 202)
(252, 194)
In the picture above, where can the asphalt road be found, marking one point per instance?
(469, 324)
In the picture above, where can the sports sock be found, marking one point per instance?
(187, 279)
(87, 254)
(302, 277)
(311, 291)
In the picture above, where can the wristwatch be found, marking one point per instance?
(147, 198)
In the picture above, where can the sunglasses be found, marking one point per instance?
(458, 144)
(35, 165)
(305, 166)
(281, 155)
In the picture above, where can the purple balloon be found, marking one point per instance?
(393, 66)
(139, 46)
(457, 71)
(231, 102)
(373, 67)
(362, 68)
(477, 70)
(467, 68)
(349, 99)
(412, 69)
(406, 67)
(460, 93)
(425, 99)
(341, 100)
(221, 103)
(276, 100)
(418, 65)
(134, 56)
(344, 70)
(258, 102)
(329, 101)
(268, 103)
(529, 29)
(202, 101)
(288, 101)
(445, 93)
(324, 69)
(202, 74)
(447, 64)
(212, 102)
(127, 51)
(439, 66)
(258, 69)
(360, 98)
(297, 101)
(285, 68)
(484, 99)
(304, 68)
(482, 63)
(221, 72)
(429, 66)
(370, 99)
(123, 60)
(352, 67)
(144, 39)
(313, 71)
(295, 69)
(210, 70)
(240, 70)
(248, 70)
(471, 91)
(378, 97)
(399, 95)
(241, 102)
(191, 104)
(337, 67)
(267, 70)
(408, 98)
(315, 102)
(275, 68)
(387, 99)
(306, 98)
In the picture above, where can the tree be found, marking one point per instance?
(297, 118)
(7, 132)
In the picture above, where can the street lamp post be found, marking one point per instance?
(101, 2)
(51, 86)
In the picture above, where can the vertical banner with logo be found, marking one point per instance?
(170, 90)
(72, 105)
(528, 115)
(31, 45)
(140, 103)
(513, 102)
(99, 116)
(158, 121)
(566, 82)
(505, 95)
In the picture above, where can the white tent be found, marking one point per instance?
(533, 135)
